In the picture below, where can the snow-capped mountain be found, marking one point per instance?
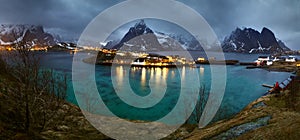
(30, 34)
(248, 40)
(141, 38)
(189, 42)
(169, 42)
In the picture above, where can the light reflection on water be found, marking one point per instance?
(201, 68)
(243, 85)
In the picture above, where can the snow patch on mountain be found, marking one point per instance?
(248, 40)
(29, 34)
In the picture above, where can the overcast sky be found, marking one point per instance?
(68, 18)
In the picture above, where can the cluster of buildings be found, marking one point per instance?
(32, 48)
(107, 56)
(268, 60)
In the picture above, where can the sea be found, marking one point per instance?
(243, 86)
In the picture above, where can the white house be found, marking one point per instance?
(263, 58)
(291, 59)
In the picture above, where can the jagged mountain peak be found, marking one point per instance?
(140, 24)
(267, 33)
(154, 40)
(141, 38)
(31, 34)
(265, 29)
(140, 28)
(248, 40)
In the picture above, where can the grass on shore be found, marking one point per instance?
(284, 109)
(284, 66)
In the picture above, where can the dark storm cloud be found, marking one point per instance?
(70, 17)
(67, 17)
(283, 17)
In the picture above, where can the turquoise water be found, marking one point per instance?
(242, 86)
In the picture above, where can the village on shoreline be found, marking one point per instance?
(286, 62)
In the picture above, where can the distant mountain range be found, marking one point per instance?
(248, 40)
(141, 38)
(30, 34)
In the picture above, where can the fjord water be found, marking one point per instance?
(242, 85)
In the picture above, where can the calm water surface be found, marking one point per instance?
(242, 87)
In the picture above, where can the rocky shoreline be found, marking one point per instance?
(274, 116)
(283, 67)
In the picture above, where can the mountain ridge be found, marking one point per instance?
(30, 34)
(141, 38)
(248, 40)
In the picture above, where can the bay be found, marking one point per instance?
(242, 85)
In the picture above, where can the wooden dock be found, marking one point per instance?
(247, 63)
(268, 86)
(218, 62)
(253, 67)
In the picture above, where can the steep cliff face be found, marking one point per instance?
(31, 34)
(248, 40)
(141, 38)
(139, 29)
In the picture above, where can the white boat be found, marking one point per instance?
(139, 61)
